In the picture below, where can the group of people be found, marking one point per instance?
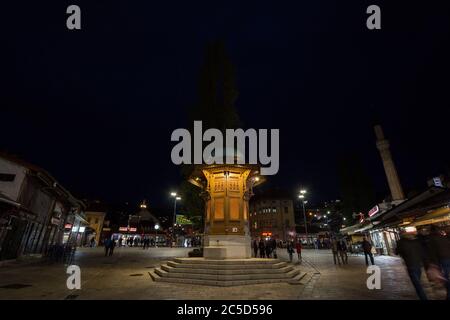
(291, 248)
(266, 249)
(339, 250)
(145, 242)
(429, 251)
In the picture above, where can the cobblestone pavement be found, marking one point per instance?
(125, 276)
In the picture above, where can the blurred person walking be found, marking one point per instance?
(290, 250)
(268, 246)
(413, 253)
(367, 248)
(335, 251)
(255, 248)
(262, 249)
(298, 248)
(112, 246)
(439, 250)
(342, 248)
(107, 244)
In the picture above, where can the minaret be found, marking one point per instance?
(389, 166)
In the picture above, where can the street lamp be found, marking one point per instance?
(176, 198)
(156, 231)
(302, 197)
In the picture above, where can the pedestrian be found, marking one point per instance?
(92, 242)
(255, 248)
(268, 246)
(112, 246)
(342, 248)
(298, 247)
(107, 244)
(274, 248)
(290, 250)
(367, 248)
(439, 249)
(335, 251)
(262, 249)
(413, 253)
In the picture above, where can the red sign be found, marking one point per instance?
(68, 226)
(374, 211)
(267, 234)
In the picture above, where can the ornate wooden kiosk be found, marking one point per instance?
(226, 190)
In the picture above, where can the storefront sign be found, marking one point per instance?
(123, 229)
(68, 226)
(267, 234)
(133, 229)
(438, 182)
(374, 211)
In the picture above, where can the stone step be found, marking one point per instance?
(199, 265)
(197, 270)
(298, 278)
(227, 261)
(220, 283)
(154, 275)
(225, 277)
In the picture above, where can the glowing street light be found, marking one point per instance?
(302, 197)
(174, 195)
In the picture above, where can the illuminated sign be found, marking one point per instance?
(123, 229)
(133, 229)
(267, 234)
(182, 220)
(82, 229)
(68, 226)
(374, 211)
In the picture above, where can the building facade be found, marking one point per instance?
(272, 216)
(34, 210)
(96, 220)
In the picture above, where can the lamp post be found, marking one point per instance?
(302, 197)
(176, 198)
(156, 231)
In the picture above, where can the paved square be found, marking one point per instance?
(125, 275)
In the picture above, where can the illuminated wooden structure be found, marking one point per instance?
(226, 190)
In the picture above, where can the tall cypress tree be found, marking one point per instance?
(356, 187)
(215, 107)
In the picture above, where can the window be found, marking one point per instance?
(7, 177)
(286, 209)
(274, 210)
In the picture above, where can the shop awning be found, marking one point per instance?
(439, 215)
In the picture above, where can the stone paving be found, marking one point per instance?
(126, 276)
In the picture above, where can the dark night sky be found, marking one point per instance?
(96, 107)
